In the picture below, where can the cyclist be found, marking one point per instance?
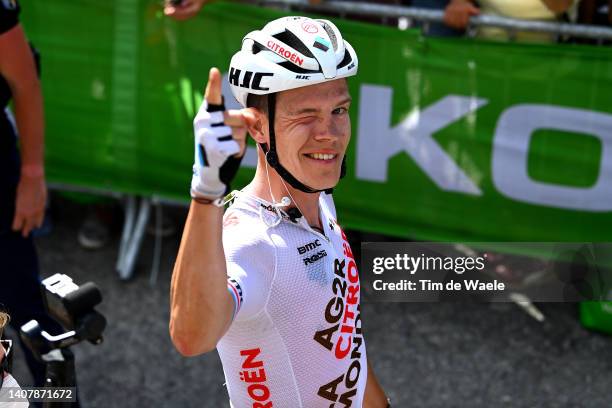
(272, 284)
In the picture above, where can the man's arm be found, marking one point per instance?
(374, 396)
(17, 66)
(458, 12)
(201, 306)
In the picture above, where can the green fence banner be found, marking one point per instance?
(453, 138)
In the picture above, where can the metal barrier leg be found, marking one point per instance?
(134, 236)
(128, 226)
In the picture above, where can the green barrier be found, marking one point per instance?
(453, 139)
(597, 316)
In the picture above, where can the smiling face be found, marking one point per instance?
(313, 130)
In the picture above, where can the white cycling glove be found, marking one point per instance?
(215, 162)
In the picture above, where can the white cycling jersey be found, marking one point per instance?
(296, 338)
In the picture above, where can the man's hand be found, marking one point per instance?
(30, 204)
(457, 14)
(374, 396)
(220, 142)
(184, 10)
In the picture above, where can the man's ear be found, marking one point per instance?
(256, 121)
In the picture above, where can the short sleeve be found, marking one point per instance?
(250, 261)
(9, 15)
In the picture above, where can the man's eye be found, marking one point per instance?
(340, 111)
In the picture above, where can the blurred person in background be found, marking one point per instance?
(434, 29)
(457, 15)
(598, 12)
(6, 379)
(185, 9)
(22, 180)
(102, 220)
(595, 12)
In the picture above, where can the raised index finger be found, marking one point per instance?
(213, 87)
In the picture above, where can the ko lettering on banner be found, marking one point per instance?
(515, 128)
(377, 143)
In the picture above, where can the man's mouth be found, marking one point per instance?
(322, 156)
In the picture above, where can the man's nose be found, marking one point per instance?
(326, 130)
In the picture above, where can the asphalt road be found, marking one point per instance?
(425, 355)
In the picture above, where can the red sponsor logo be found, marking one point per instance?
(309, 27)
(290, 55)
(254, 374)
(343, 338)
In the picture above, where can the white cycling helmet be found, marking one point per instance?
(288, 53)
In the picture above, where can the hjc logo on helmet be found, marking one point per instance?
(250, 79)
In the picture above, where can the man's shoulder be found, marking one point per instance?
(239, 218)
(244, 234)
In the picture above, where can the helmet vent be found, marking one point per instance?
(257, 47)
(292, 40)
(332, 36)
(345, 60)
(298, 70)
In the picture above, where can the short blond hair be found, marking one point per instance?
(4, 319)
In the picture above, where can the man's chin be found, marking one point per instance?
(321, 182)
(324, 185)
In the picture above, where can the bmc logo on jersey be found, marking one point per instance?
(248, 79)
(309, 247)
